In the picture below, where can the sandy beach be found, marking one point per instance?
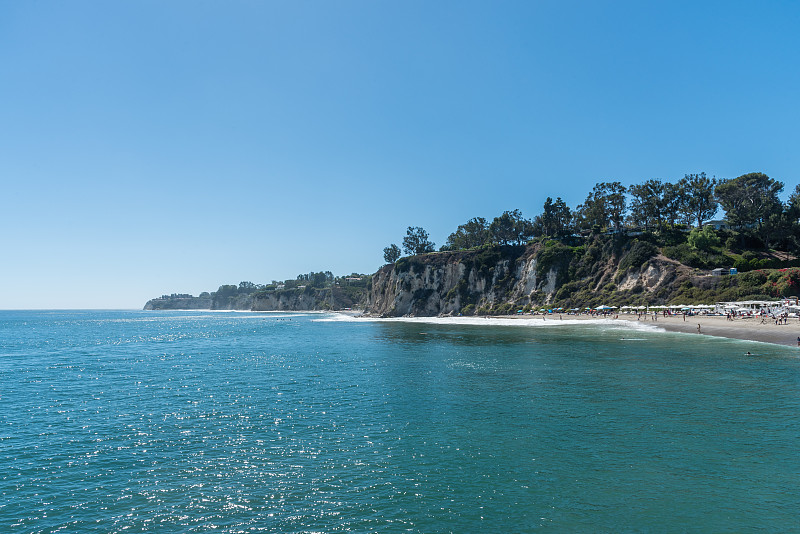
(749, 329)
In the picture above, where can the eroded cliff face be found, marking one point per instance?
(657, 273)
(189, 303)
(287, 301)
(307, 300)
(506, 279)
(450, 283)
(241, 302)
(300, 299)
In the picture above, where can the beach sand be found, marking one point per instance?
(749, 329)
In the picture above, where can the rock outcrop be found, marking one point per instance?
(448, 283)
(179, 303)
(300, 299)
(573, 272)
(306, 299)
(506, 279)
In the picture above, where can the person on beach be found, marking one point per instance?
(698, 328)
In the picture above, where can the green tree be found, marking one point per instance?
(391, 253)
(648, 201)
(511, 228)
(749, 199)
(617, 204)
(555, 219)
(698, 203)
(703, 238)
(227, 291)
(246, 287)
(781, 230)
(793, 206)
(416, 241)
(673, 203)
(473, 233)
(605, 206)
(751, 203)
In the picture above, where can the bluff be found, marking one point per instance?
(308, 299)
(179, 303)
(610, 270)
(295, 299)
(614, 270)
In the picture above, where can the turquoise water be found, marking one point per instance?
(136, 421)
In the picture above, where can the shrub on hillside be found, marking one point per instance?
(703, 239)
(638, 255)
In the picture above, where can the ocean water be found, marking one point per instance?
(131, 421)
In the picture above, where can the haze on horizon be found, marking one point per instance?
(152, 147)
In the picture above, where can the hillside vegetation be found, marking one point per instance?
(613, 270)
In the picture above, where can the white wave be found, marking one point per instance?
(530, 322)
(336, 317)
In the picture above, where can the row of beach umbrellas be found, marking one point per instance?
(638, 308)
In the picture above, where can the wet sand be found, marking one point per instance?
(750, 329)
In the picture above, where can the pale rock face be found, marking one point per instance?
(442, 284)
(549, 286)
(651, 276)
(440, 287)
(285, 302)
(526, 272)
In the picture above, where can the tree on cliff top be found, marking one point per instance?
(555, 220)
(648, 203)
(699, 203)
(511, 228)
(391, 253)
(750, 199)
(416, 241)
(473, 233)
(751, 202)
(605, 205)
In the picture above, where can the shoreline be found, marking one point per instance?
(749, 329)
(745, 329)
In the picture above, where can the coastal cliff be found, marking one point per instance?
(449, 283)
(574, 272)
(179, 303)
(305, 298)
(604, 270)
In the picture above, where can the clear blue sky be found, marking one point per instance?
(154, 147)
